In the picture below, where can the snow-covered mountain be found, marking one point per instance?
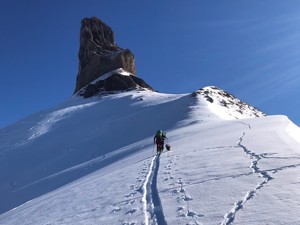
(92, 161)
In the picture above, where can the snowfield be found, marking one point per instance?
(92, 161)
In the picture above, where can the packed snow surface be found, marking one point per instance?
(92, 161)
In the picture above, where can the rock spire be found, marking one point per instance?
(99, 55)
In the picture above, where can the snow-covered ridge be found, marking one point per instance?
(113, 82)
(52, 118)
(119, 71)
(91, 161)
(226, 105)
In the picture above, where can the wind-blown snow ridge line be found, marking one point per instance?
(151, 201)
(229, 217)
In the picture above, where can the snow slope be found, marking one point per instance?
(92, 162)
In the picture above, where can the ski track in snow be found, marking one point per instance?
(152, 207)
(151, 202)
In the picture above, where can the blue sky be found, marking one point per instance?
(248, 48)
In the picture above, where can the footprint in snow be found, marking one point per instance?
(130, 212)
(139, 179)
(174, 192)
(187, 198)
(116, 209)
(130, 202)
(182, 190)
(129, 223)
(129, 195)
(179, 181)
(194, 214)
(180, 211)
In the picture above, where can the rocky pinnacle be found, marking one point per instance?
(99, 54)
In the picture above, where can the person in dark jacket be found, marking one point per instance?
(159, 140)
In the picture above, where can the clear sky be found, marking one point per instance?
(250, 48)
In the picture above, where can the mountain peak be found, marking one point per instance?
(99, 55)
(226, 105)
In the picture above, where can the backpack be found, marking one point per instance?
(159, 137)
(159, 134)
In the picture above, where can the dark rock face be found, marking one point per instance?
(115, 82)
(99, 54)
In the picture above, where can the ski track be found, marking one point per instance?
(151, 202)
(152, 208)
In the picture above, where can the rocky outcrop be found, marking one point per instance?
(227, 103)
(99, 54)
(117, 80)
